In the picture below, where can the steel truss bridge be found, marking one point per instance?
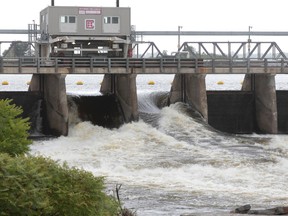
(191, 57)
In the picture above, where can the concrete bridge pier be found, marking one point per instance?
(123, 86)
(264, 89)
(53, 89)
(191, 89)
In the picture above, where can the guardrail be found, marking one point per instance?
(211, 65)
(108, 63)
(266, 65)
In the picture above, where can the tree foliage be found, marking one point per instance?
(13, 129)
(40, 186)
(17, 49)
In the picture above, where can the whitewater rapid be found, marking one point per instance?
(173, 164)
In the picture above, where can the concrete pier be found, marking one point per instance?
(53, 89)
(263, 86)
(124, 88)
(191, 89)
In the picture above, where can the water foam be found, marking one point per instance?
(178, 159)
(140, 155)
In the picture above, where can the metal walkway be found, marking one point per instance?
(141, 66)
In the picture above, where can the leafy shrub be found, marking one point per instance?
(13, 129)
(38, 186)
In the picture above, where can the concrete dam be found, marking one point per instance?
(100, 40)
(227, 111)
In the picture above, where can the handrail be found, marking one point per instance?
(143, 64)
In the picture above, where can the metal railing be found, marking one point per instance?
(110, 63)
(143, 64)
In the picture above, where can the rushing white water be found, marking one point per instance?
(179, 167)
(171, 162)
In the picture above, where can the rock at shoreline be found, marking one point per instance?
(273, 211)
(246, 209)
(243, 209)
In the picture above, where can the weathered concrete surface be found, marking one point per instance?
(176, 94)
(54, 93)
(264, 88)
(124, 88)
(247, 83)
(192, 89)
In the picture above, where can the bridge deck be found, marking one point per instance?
(141, 66)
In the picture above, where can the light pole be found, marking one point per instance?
(249, 40)
(179, 32)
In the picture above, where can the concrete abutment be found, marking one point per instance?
(191, 89)
(53, 88)
(124, 88)
(264, 88)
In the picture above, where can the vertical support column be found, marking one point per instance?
(176, 93)
(107, 84)
(194, 92)
(44, 50)
(264, 89)
(124, 87)
(54, 93)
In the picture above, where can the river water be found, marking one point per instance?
(171, 162)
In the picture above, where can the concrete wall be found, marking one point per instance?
(124, 88)
(53, 89)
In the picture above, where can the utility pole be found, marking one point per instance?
(52, 2)
(249, 39)
(117, 3)
(179, 33)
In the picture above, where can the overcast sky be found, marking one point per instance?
(193, 15)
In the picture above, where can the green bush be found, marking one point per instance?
(39, 186)
(13, 129)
